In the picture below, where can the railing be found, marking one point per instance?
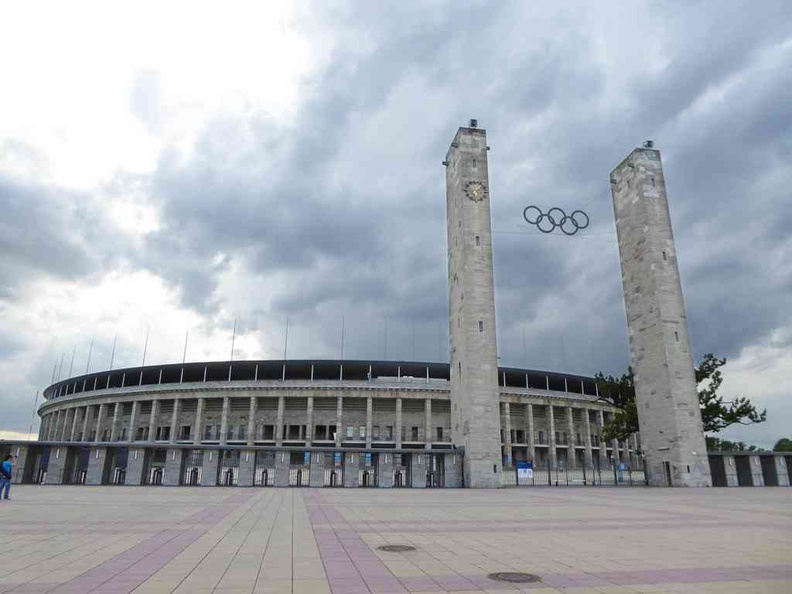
(559, 475)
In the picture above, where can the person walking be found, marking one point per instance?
(6, 474)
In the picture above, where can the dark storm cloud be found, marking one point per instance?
(40, 233)
(356, 221)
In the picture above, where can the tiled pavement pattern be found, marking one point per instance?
(151, 540)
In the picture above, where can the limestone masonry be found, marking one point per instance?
(665, 383)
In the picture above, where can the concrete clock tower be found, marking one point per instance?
(475, 412)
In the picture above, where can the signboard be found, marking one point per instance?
(368, 458)
(337, 458)
(524, 472)
(307, 458)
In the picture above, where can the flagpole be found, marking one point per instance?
(112, 353)
(32, 417)
(71, 364)
(286, 339)
(88, 364)
(145, 346)
(186, 336)
(233, 339)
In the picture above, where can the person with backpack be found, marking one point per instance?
(6, 474)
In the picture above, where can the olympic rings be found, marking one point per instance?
(556, 218)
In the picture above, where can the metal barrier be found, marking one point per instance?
(561, 476)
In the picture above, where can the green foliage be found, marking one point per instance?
(715, 444)
(783, 445)
(716, 414)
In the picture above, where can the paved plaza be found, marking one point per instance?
(151, 540)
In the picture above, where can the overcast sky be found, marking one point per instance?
(178, 167)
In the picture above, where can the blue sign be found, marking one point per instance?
(524, 471)
(337, 458)
(307, 458)
(368, 458)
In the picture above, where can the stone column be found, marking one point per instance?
(452, 469)
(385, 470)
(398, 427)
(507, 434)
(69, 418)
(281, 478)
(97, 464)
(571, 459)
(58, 424)
(153, 420)
(279, 423)
(587, 439)
(616, 456)
(352, 469)
(251, 426)
(87, 422)
(428, 423)
(247, 468)
(551, 440)
(133, 420)
(199, 413)
(531, 438)
(174, 426)
(57, 464)
(418, 470)
(114, 427)
(224, 420)
(211, 466)
(339, 419)
(73, 432)
(369, 422)
(53, 427)
(603, 452)
(135, 466)
(316, 476)
(172, 474)
(99, 422)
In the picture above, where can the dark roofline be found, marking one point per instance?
(304, 369)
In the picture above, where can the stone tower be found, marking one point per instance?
(475, 414)
(665, 386)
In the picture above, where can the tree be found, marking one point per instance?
(783, 445)
(715, 444)
(716, 414)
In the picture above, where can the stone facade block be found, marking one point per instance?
(247, 468)
(757, 476)
(452, 469)
(174, 468)
(782, 470)
(57, 465)
(351, 469)
(418, 470)
(385, 470)
(316, 478)
(281, 478)
(210, 468)
(97, 467)
(136, 465)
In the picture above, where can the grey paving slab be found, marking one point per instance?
(152, 540)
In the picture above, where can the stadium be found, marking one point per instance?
(312, 423)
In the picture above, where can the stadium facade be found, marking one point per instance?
(317, 423)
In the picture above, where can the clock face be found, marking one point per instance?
(476, 191)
